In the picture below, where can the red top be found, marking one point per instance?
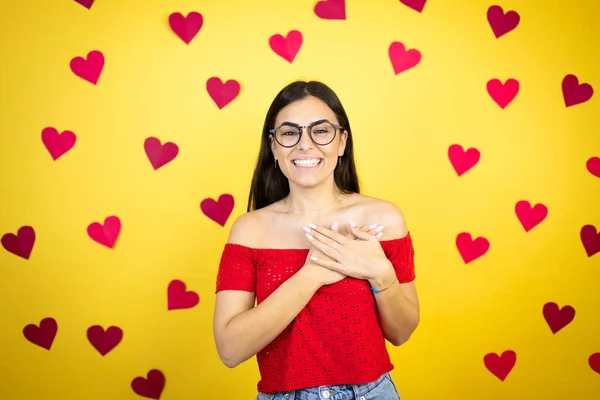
(336, 339)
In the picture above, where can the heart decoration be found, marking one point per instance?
(20, 244)
(151, 387)
(470, 249)
(594, 362)
(590, 238)
(88, 69)
(462, 160)
(286, 47)
(106, 234)
(331, 9)
(219, 211)
(186, 27)
(401, 58)
(104, 340)
(222, 93)
(501, 365)
(557, 318)
(42, 335)
(56, 143)
(528, 216)
(178, 298)
(575, 93)
(593, 166)
(500, 22)
(416, 5)
(86, 3)
(160, 154)
(503, 94)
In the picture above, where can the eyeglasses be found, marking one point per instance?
(321, 132)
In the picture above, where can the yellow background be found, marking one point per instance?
(154, 85)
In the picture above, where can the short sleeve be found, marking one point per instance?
(400, 252)
(236, 269)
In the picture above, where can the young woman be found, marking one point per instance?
(330, 286)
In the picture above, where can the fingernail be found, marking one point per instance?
(305, 229)
(372, 226)
(378, 236)
(352, 224)
(379, 228)
(313, 226)
(334, 225)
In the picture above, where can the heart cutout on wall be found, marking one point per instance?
(462, 160)
(594, 362)
(286, 47)
(186, 28)
(331, 9)
(529, 216)
(574, 92)
(503, 93)
(501, 22)
(222, 93)
(42, 335)
(416, 5)
(179, 298)
(590, 238)
(557, 318)
(470, 249)
(104, 340)
(160, 154)
(20, 244)
(89, 68)
(56, 143)
(401, 58)
(501, 365)
(86, 3)
(151, 387)
(593, 166)
(219, 211)
(106, 234)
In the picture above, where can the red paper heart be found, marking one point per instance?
(179, 298)
(90, 68)
(594, 362)
(42, 335)
(287, 47)
(106, 234)
(500, 366)
(56, 143)
(558, 318)
(590, 239)
(86, 3)
(530, 216)
(470, 249)
(104, 341)
(186, 27)
(416, 5)
(20, 244)
(219, 211)
(401, 58)
(331, 9)
(501, 93)
(151, 387)
(500, 22)
(593, 166)
(222, 93)
(575, 93)
(160, 154)
(462, 160)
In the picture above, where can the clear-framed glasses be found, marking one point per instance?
(321, 133)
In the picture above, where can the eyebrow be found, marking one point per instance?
(312, 123)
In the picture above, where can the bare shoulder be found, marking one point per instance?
(247, 228)
(387, 214)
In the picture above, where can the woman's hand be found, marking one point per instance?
(362, 259)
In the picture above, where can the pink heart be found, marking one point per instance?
(160, 154)
(470, 249)
(331, 9)
(186, 27)
(590, 239)
(179, 298)
(42, 335)
(528, 216)
(500, 366)
(501, 93)
(402, 59)
(104, 341)
(416, 5)
(222, 93)
(56, 143)
(461, 160)
(287, 47)
(594, 362)
(90, 68)
(575, 93)
(107, 234)
(219, 211)
(151, 386)
(20, 244)
(86, 3)
(557, 318)
(500, 22)
(593, 166)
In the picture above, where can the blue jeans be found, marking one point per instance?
(380, 389)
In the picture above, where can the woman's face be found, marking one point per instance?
(306, 163)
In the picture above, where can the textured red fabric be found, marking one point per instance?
(336, 339)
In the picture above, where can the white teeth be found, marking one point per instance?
(307, 163)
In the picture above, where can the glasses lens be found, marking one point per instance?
(323, 133)
(287, 135)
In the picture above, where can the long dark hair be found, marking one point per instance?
(269, 184)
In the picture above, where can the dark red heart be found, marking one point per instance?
(86, 3)
(186, 27)
(575, 93)
(557, 318)
(219, 211)
(500, 366)
(42, 335)
(151, 387)
(160, 154)
(104, 340)
(222, 93)
(179, 298)
(20, 244)
(416, 5)
(500, 22)
(590, 238)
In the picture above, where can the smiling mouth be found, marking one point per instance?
(308, 163)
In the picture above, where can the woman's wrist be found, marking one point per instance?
(385, 278)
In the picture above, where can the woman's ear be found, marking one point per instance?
(343, 139)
